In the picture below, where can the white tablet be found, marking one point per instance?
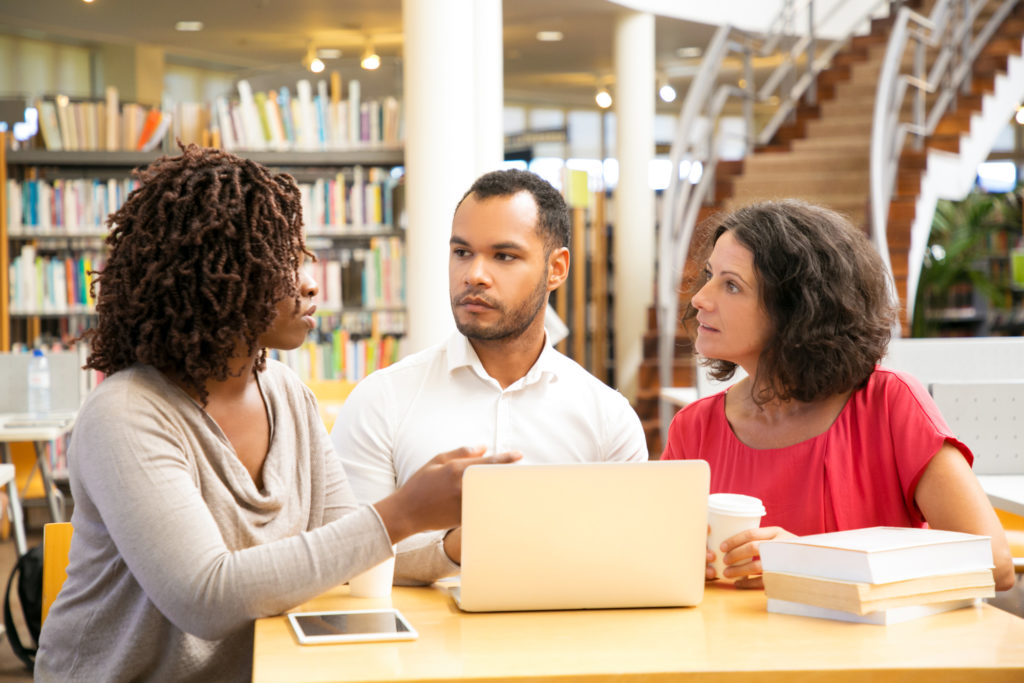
(349, 626)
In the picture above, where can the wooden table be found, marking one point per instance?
(729, 637)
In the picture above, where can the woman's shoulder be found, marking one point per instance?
(703, 409)
(895, 393)
(136, 384)
(892, 382)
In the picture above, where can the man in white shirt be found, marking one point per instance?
(497, 383)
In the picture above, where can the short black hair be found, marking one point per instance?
(826, 291)
(552, 211)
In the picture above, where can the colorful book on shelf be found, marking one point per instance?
(284, 103)
(65, 118)
(354, 102)
(260, 98)
(305, 134)
(893, 615)
(49, 126)
(878, 554)
(253, 129)
(150, 126)
(323, 122)
(861, 598)
(112, 119)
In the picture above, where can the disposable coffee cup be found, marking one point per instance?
(729, 514)
(375, 582)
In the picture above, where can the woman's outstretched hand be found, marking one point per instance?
(432, 497)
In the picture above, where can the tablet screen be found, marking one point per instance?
(350, 626)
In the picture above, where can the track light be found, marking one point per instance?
(370, 60)
(312, 62)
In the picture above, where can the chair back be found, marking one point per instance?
(56, 543)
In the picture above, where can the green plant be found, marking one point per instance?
(958, 248)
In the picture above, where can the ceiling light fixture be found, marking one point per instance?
(312, 62)
(603, 98)
(188, 26)
(689, 52)
(1020, 115)
(665, 90)
(370, 60)
(328, 52)
(549, 36)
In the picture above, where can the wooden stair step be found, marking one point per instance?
(807, 161)
(682, 373)
(826, 128)
(945, 143)
(683, 345)
(954, 123)
(839, 145)
(803, 183)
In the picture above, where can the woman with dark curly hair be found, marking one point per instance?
(206, 490)
(827, 439)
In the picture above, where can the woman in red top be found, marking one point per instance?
(798, 298)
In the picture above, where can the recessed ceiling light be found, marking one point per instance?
(188, 26)
(687, 52)
(549, 36)
(328, 52)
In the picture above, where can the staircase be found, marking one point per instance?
(823, 157)
(979, 114)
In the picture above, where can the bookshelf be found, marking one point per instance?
(54, 207)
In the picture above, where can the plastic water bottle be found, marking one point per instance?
(38, 384)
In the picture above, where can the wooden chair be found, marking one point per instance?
(330, 394)
(56, 543)
(1014, 527)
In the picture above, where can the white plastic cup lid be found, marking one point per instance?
(736, 504)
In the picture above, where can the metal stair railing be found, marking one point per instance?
(802, 56)
(940, 75)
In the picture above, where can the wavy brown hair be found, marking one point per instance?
(199, 255)
(826, 292)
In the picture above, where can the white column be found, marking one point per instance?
(634, 200)
(445, 61)
(490, 86)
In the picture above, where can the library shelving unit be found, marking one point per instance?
(53, 209)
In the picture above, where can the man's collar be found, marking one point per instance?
(460, 354)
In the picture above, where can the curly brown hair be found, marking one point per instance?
(826, 292)
(200, 254)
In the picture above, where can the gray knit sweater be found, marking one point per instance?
(175, 552)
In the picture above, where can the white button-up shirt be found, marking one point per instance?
(441, 399)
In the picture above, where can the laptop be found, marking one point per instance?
(583, 536)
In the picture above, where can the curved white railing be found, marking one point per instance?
(943, 47)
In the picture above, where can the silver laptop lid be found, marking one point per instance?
(574, 536)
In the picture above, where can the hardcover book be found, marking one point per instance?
(878, 554)
(894, 615)
(862, 598)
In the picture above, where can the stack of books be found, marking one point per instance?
(107, 125)
(878, 575)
